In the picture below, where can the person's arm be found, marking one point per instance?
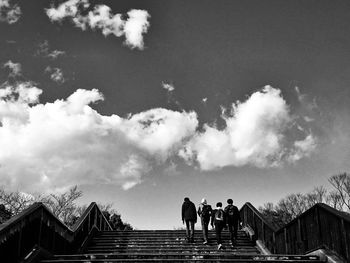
(212, 218)
(183, 213)
(199, 212)
(194, 210)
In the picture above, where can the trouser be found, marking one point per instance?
(218, 229)
(205, 224)
(233, 228)
(190, 229)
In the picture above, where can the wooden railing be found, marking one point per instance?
(263, 230)
(321, 226)
(36, 229)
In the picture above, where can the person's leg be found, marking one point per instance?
(230, 228)
(218, 229)
(235, 230)
(192, 230)
(206, 230)
(187, 230)
(204, 227)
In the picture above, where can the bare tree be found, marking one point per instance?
(63, 205)
(334, 200)
(341, 183)
(16, 202)
(317, 195)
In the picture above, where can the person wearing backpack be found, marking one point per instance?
(233, 219)
(189, 216)
(204, 212)
(218, 219)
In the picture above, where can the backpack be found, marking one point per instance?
(206, 211)
(219, 215)
(231, 211)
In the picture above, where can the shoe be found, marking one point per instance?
(219, 246)
(205, 242)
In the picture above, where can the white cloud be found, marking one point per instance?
(44, 50)
(15, 68)
(56, 74)
(204, 100)
(135, 26)
(255, 134)
(55, 145)
(303, 148)
(101, 17)
(9, 13)
(55, 54)
(167, 86)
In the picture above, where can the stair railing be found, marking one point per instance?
(321, 226)
(37, 229)
(263, 230)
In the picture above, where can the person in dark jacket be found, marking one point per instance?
(218, 218)
(233, 219)
(204, 212)
(189, 216)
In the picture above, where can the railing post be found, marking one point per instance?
(41, 225)
(317, 212)
(89, 223)
(285, 240)
(19, 243)
(345, 241)
(299, 240)
(95, 219)
(100, 222)
(273, 242)
(263, 231)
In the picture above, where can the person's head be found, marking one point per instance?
(186, 199)
(230, 201)
(219, 204)
(204, 201)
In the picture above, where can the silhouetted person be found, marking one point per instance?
(204, 212)
(232, 219)
(218, 218)
(189, 216)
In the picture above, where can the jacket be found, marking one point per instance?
(208, 214)
(188, 211)
(213, 219)
(232, 219)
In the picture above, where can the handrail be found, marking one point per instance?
(37, 226)
(321, 226)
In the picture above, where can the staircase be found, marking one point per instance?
(170, 246)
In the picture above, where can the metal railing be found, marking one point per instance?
(321, 226)
(38, 228)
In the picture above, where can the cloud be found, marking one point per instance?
(55, 145)
(48, 146)
(303, 148)
(9, 13)
(15, 68)
(44, 50)
(204, 100)
(102, 18)
(135, 26)
(56, 74)
(255, 134)
(168, 87)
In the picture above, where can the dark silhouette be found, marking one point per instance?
(232, 220)
(218, 218)
(189, 216)
(204, 212)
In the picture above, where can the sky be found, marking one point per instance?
(143, 103)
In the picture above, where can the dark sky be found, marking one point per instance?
(223, 51)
